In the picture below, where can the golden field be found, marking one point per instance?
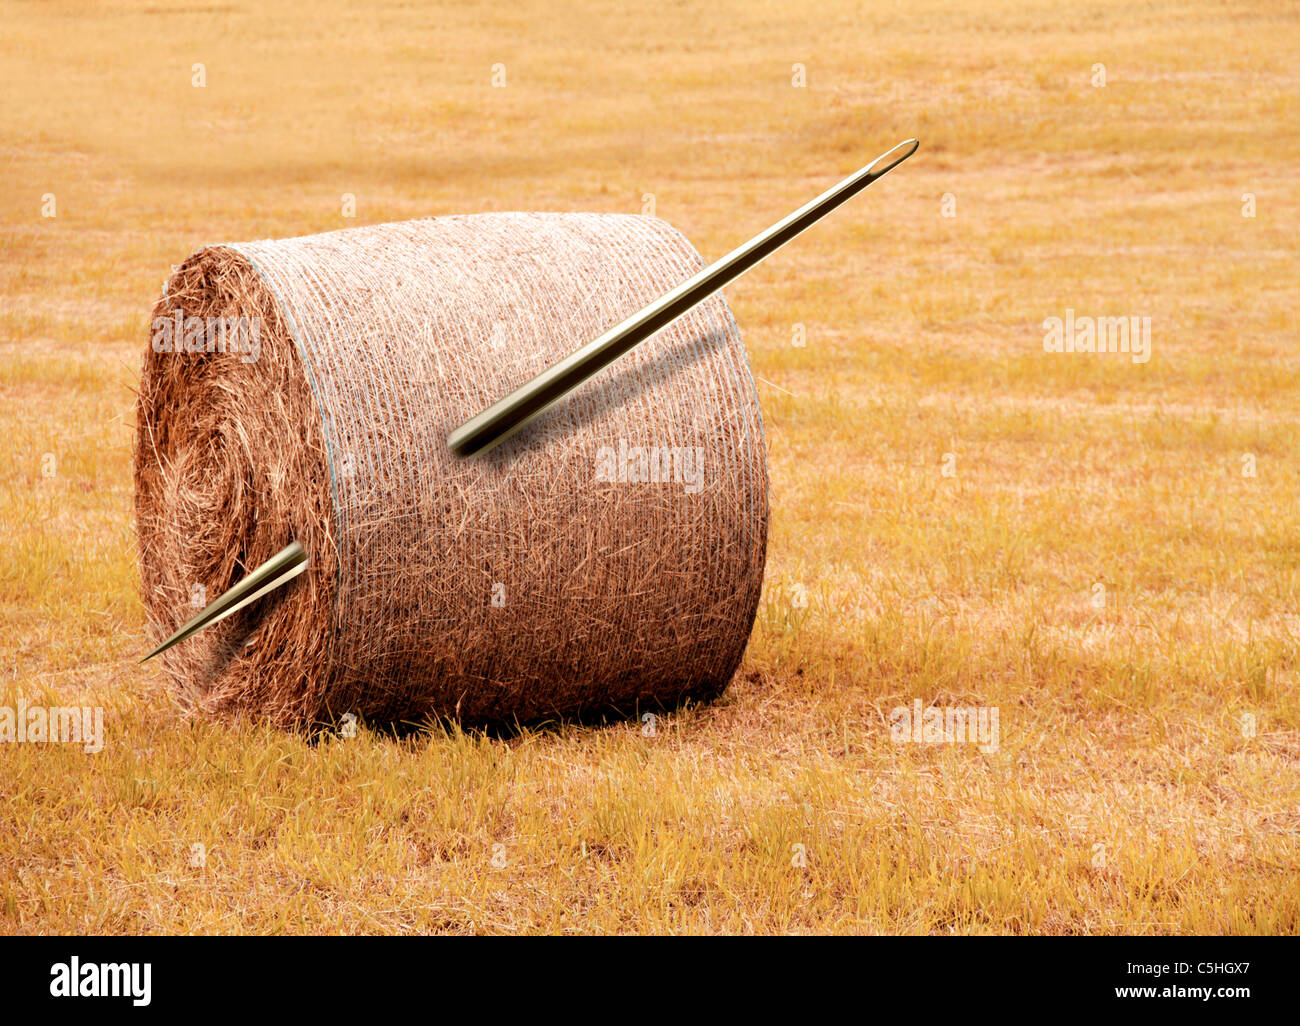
(1107, 551)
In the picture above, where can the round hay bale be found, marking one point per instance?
(609, 555)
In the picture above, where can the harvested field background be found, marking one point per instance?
(1105, 551)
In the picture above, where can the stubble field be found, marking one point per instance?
(1104, 550)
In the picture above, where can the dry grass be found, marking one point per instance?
(1124, 795)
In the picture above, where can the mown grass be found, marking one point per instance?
(946, 495)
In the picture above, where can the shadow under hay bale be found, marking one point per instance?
(544, 578)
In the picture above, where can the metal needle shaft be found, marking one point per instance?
(281, 568)
(503, 418)
(499, 421)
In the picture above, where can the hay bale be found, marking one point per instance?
(542, 578)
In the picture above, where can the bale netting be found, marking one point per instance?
(609, 555)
